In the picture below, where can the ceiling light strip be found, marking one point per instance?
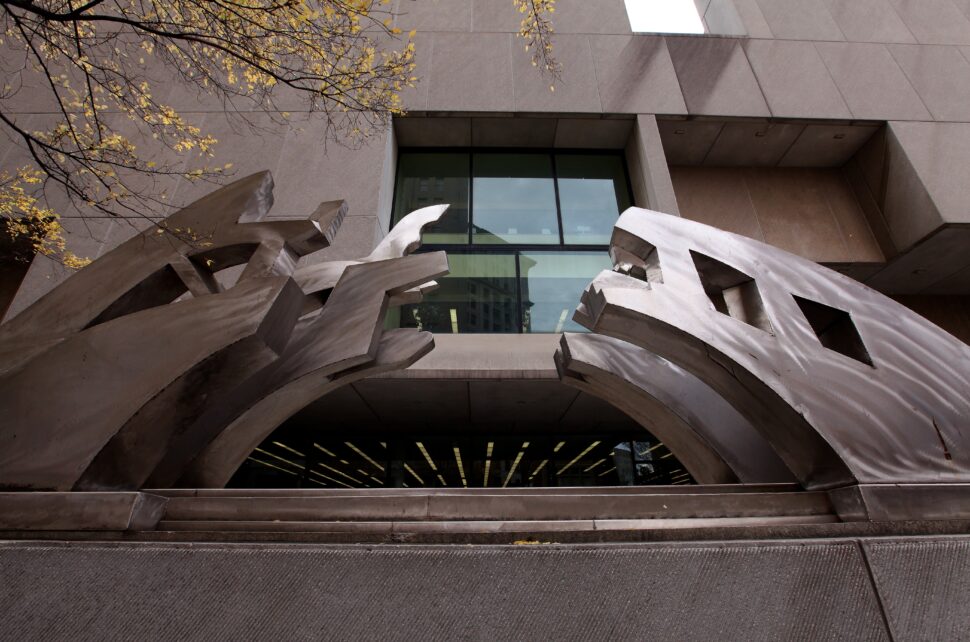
(282, 459)
(515, 463)
(538, 468)
(594, 465)
(341, 473)
(607, 472)
(578, 457)
(408, 468)
(260, 461)
(488, 461)
(461, 467)
(285, 447)
(328, 478)
(364, 455)
(426, 456)
(319, 447)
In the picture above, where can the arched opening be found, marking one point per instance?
(400, 433)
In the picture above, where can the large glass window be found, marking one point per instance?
(526, 232)
(425, 179)
(514, 199)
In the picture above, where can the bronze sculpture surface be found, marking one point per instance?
(850, 388)
(151, 359)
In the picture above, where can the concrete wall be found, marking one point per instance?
(801, 66)
(838, 589)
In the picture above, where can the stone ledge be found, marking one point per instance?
(98, 511)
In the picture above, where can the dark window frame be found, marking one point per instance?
(515, 249)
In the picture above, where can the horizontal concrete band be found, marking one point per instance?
(496, 506)
(524, 527)
(903, 589)
(107, 511)
(396, 492)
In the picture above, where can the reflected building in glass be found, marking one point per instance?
(527, 232)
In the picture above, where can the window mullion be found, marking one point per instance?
(471, 195)
(555, 187)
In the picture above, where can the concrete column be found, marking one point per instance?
(649, 175)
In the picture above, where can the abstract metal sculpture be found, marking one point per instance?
(850, 388)
(146, 384)
(710, 438)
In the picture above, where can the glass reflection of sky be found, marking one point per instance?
(515, 210)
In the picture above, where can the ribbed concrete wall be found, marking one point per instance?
(809, 590)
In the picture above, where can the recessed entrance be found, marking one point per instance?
(393, 433)
(480, 461)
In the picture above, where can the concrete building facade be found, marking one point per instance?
(834, 129)
(837, 130)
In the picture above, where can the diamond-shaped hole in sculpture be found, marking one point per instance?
(732, 292)
(834, 329)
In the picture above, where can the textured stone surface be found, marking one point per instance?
(716, 77)
(803, 591)
(924, 587)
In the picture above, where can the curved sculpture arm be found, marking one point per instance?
(402, 240)
(218, 462)
(153, 268)
(60, 410)
(345, 335)
(846, 384)
(715, 443)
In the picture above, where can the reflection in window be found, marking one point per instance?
(525, 235)
(550, 282)
(514, 199)
(478, 295)
(592, 193)
(425, 179)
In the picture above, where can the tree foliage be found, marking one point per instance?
(97, 62)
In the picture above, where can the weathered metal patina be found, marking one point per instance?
(141, 367)
(856, 393)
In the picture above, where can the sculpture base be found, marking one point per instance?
(107, 511)
(902, 502)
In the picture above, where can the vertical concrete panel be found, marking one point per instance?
(716, 77)
(313, 169)
(721, 17)
(434, 15)
(941, 77)
(495, 16)
(716, 196)
(794, 79)
(583, 16)
(652, 187)
(872, 84)
(754, 21)
(416, 98)
(869, 21)
(635, 75)
(940, 155)
(252, 142)
(471, 72)
(935, 22)
(924, 587)
(576, 92)
(800, 20)
(794, 214)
